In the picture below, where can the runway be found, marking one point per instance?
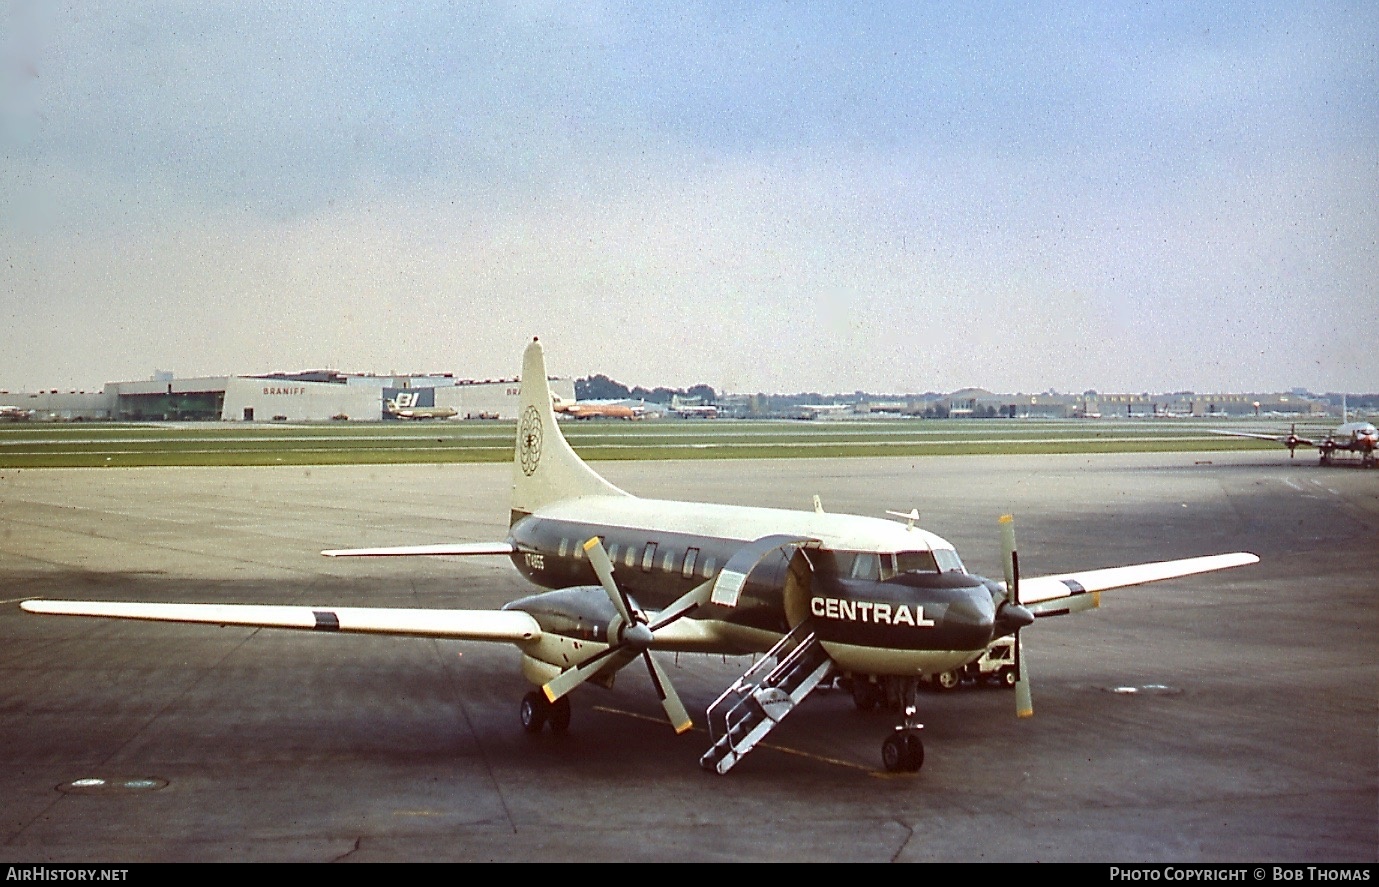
(1226, 717)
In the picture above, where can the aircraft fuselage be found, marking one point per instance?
(885, 598)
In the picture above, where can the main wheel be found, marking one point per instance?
(533, 712)
(559, 716)
(865, 695)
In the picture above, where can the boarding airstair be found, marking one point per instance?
(761, 698)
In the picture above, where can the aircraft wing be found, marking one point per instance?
(1049, 588)
(1276, 438)
(455, 548)
(476, 625)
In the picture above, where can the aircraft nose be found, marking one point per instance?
(974, 610)
(969, 619)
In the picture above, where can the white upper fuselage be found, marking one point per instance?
(1356, 432)
(842, 532)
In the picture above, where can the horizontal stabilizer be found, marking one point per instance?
(454, 548)
(1047, 588)
(477, 625)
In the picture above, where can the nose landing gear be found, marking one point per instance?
(903, 751)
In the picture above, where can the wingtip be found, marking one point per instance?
(683, 727)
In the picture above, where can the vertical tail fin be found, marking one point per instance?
(544, 468)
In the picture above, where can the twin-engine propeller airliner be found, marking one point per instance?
(1359, 438)
(875, 604)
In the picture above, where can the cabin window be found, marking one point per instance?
(649, 557)
(691, 555)
(668, 562)
(564, 548)
(708, 567)
(613, 552)
(631, 557)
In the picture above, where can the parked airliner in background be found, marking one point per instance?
(597, 409)
(15, 414)
(1359, 438)
(392, 408)
(874, 603)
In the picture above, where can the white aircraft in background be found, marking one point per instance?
(15, 414)
(879, 604)
(395, 409)
(1360, 438)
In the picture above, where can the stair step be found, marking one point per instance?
(759, 700)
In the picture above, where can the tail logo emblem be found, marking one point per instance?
(529, 441)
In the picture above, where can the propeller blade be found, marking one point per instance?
(670, 700)
(1024, 704)
(603, 568)
(629, 635)
(1011, 560)
(575, 675)
(686, 603)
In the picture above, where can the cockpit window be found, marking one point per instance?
(948, 561)
(915, 562)
(866, 565)
(886, 565)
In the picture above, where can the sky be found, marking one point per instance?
(763, 197)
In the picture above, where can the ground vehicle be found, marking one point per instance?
(996, 665)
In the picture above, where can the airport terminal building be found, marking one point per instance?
(313, 396)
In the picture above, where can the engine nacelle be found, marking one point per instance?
(574, 626)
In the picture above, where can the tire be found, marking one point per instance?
(559, 716)
(947, 680)
(894, 752)
(902, 752)
(533, 712)
(1008, 678)
(914, 752)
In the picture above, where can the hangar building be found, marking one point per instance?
(315, 396)
(321, 396)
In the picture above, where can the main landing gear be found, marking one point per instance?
(536, 713)
(903, 751)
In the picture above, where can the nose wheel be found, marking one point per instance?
(903, 751)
